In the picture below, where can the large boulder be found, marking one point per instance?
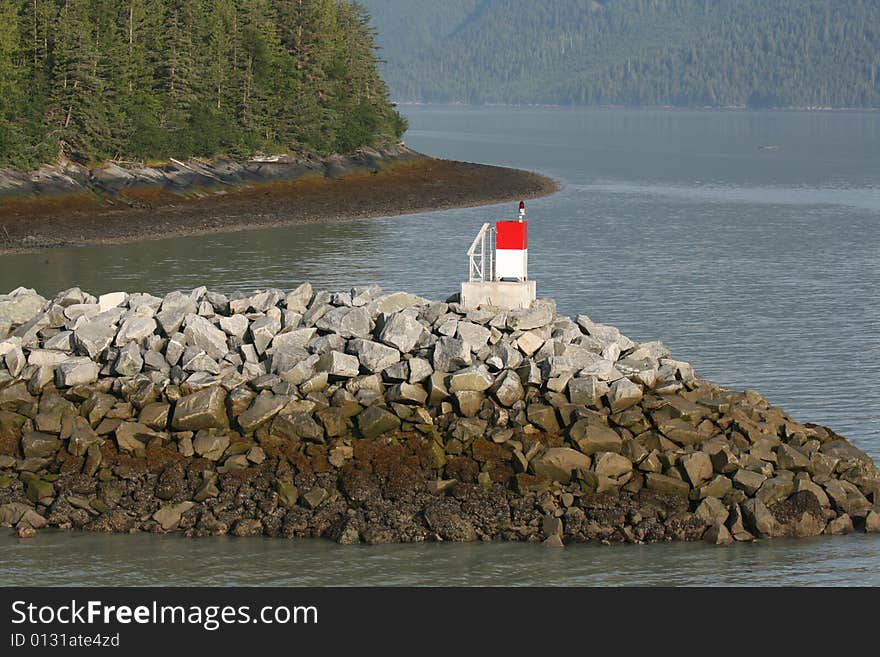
(201, 333)
(373, 356)
(476, 378)
(401, 331)
(135, 329)
(508, 389)
(347, 322)
(338, 364)
(76, 371)
(21, 306)
(261, 410)
(375, 420)
(450, 355)
(623, 394)
(94, 337)
(205, 409)
(558, 463)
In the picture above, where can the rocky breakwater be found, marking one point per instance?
(370, 417)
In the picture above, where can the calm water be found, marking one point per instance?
(761, 267)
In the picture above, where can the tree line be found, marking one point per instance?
(140, 80)
(716, 53)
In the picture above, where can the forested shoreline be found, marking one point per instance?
(809, 54)
(141, 80)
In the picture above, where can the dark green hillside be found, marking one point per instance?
(149, 79)
(779, 53)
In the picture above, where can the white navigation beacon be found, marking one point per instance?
(498, 270)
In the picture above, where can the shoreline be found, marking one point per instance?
(119, 207)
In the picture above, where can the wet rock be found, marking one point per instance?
(665, 484)
(210, 445)
(718, 534)
(375, 421)
(840, 526)
(263, 409)
(36, 444)
(168, 517)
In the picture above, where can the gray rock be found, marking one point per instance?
(76, 371)
(401, 331)
(20, 308)
(338, 364)
(175, 348)
(623, 394)
(129, 362)
(587, 391)
(540, 314)
(236, 325)
(263, 330)
(395, 302)
(135, 329)
(508, 389)
(373, 356)
(419, 370)
(475, 378)
(406, 393)
(298, 338)
(299, 299)
(175, 308)
(450, 355)
(94, 337)
(474, 335)
(347, 322)
(201, 333)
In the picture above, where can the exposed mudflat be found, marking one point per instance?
(95, 212)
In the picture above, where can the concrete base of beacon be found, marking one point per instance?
(507, 295)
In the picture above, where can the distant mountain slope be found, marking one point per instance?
(791, 53)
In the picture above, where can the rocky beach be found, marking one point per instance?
(367, 417)
(72, 205)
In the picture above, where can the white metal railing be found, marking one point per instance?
(477, 256)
